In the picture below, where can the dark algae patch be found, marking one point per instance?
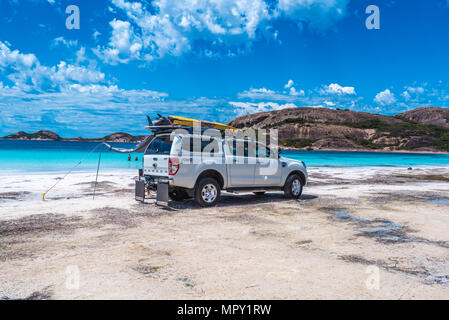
(382, 230)
(431, 177)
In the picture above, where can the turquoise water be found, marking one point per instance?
(367, 159)
(42, 156)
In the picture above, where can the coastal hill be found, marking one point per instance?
(422, 129)
(429, 115)
(51, 136)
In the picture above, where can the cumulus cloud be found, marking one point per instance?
(261, 93)
(243, 108)
(289, 84)
(60, 41)
(331, 96)
(385, 98)
(336, 89)
(14, 58)
(294, 92)
(123, 44)
(264, 94)
(26, 72)
(172, 28)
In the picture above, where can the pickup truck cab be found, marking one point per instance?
(201, 166)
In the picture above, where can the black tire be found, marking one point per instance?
(259, 193)
(207, 192)
(178, 194)
(293, 187)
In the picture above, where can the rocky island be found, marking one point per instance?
(51, 136)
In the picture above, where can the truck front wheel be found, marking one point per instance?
(293, 187)
(207, 192)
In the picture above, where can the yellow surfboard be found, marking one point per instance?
(188, 122)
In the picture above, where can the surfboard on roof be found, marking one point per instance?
(179, 122)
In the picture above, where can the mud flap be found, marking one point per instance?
(140, 191)
(162, 193)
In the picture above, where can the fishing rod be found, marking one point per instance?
(75, 166)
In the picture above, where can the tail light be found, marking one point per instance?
(173, 166)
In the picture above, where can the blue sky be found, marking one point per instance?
(214, 60)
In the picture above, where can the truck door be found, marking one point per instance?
(268, 171)
(241, 166)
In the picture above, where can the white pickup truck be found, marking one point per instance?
(202, 166)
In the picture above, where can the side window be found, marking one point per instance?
(263, 151)
(210, 146)
(232, 147)
(248, 148)
(206, 144)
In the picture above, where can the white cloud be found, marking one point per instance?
(65, 73)
(406, 95)
(416, 90)
(15, 58)
(26, 72)
(289, 84)
(260, 93)
(123, 44)
(61, 41)
(336, 89)
(81, 55)
(243, 108)
(293, 92)
(171, 28)
(385, 98)
(96, 34)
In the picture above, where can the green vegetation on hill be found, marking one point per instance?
(296, 143)
(439, 136)
(367, 144)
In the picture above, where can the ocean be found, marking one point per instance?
(60, 156)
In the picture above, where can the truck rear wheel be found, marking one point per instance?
(293, 187)
(207, 192)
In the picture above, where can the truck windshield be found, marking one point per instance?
(159, 145)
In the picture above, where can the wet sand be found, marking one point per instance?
(365, 233)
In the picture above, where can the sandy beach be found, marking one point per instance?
(356, 233)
